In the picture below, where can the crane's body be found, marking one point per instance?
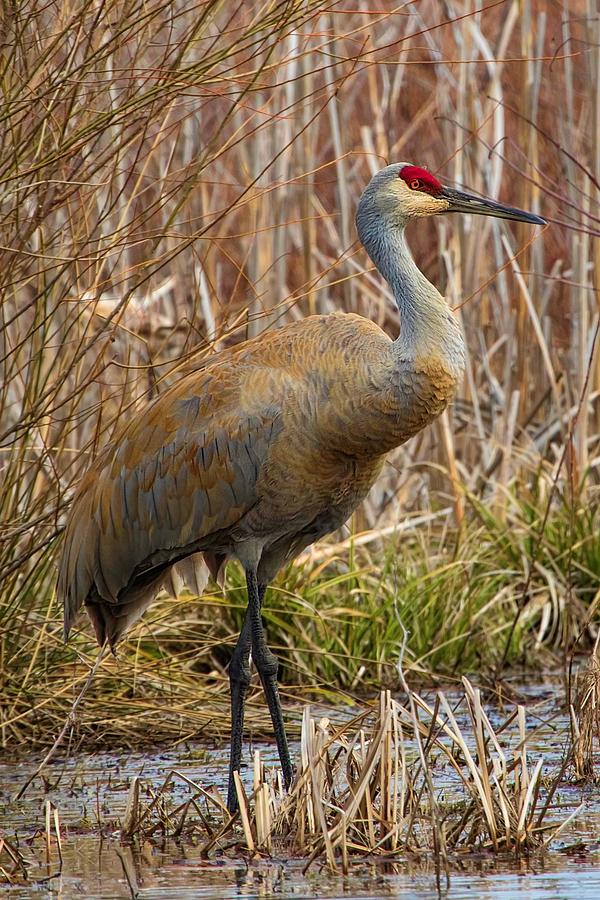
(255, 456)
(267, 447)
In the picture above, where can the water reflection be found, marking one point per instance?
(103, 869)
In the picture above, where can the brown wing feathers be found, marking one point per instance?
(183, 469)
(259, 439)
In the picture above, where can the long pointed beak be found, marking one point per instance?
(469, 203)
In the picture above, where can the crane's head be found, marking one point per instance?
(403, 191)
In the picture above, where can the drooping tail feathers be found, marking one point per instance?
(112, 619)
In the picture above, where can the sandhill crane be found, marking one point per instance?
(269, 445)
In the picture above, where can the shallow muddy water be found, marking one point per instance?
(90, 793)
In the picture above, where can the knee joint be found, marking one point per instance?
(267, 665)
(239, 672)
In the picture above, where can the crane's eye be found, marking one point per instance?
(418, 179)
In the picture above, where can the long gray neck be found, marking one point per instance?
(427, 327)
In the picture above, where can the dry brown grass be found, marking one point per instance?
(372, 787)
(585, 720)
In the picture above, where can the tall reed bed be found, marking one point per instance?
(176, 178)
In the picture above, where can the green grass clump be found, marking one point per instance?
(497, 592)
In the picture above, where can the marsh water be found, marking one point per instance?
(90, 793)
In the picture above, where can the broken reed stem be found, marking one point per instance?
(585, 719)
(69, 721)
(244, 812)
(52, 825)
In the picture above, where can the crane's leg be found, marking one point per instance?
(239, 681)
(267, 665)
